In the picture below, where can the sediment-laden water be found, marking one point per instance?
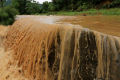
(59, 52)
(105, 24)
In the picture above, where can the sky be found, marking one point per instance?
(41, 1)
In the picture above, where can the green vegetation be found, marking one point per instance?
(113, 11)
(8, 9)
(7, 17)
(2, 4)
(20, 5)
(7, 14)
(32, 8)
(73, 7)
(26, 6)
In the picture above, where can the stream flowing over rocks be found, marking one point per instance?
(63, 52)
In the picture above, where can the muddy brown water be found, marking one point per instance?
(105, 24)
(48, 49)
(53, 48)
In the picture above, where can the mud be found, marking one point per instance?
(62, 52)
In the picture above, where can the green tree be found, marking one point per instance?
(2, 4)
(20, 5)
(45, 6)
(32, 8)
(7, 17)
(51, 6)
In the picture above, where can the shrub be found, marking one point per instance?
(11, 11)
(82, 8)
(7, 17)
(32, 8)
(71, 6)
(3, 17)
(106, 6)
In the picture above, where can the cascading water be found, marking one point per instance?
(58, 52)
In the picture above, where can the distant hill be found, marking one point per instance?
(7, 2)
(40, 5)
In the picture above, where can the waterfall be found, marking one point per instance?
(60, 52)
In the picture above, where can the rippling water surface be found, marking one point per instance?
(105, 24)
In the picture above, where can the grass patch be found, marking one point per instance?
(113, 11)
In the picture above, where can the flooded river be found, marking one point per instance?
(53, 48)
(105, 24)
